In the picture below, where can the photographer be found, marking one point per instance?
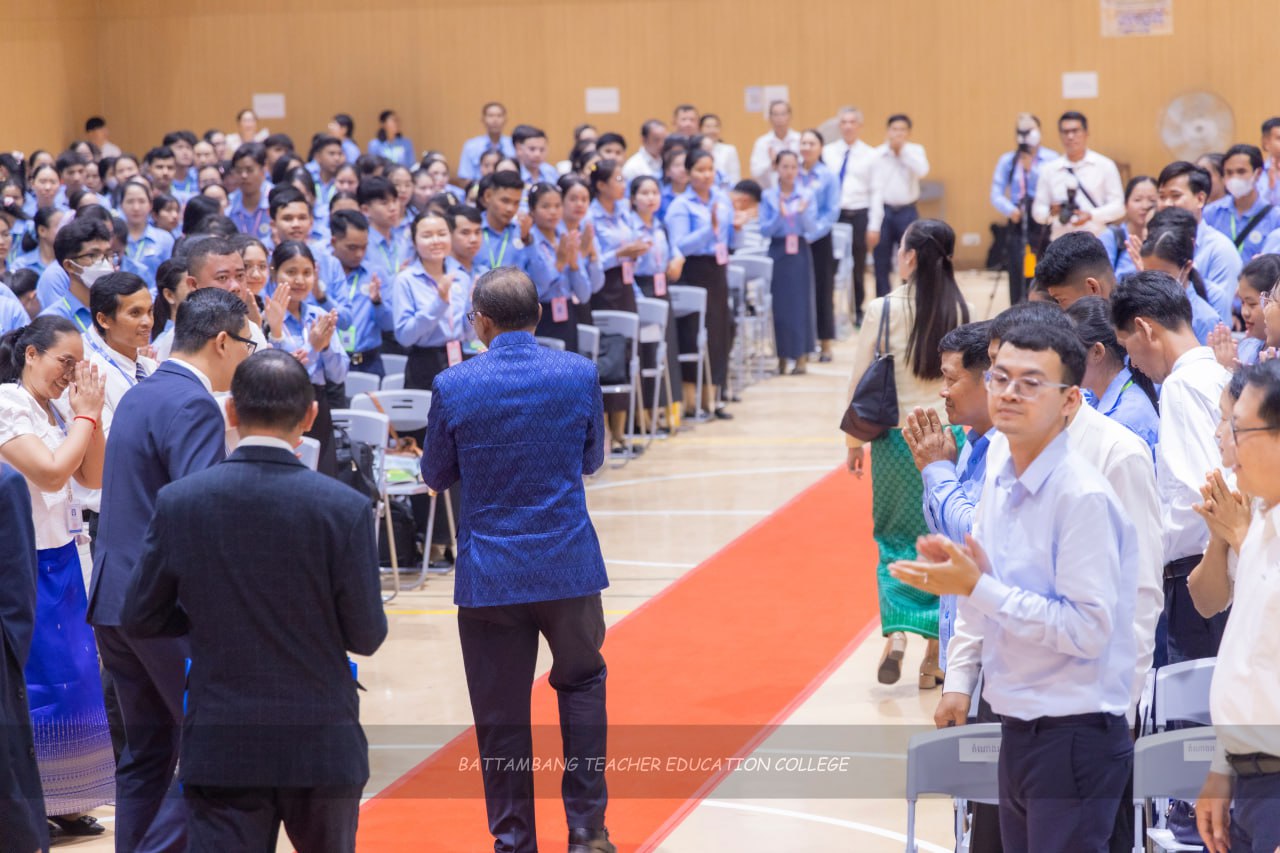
(1013, 186)
(1081, 190)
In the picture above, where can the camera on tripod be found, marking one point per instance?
(1069, 207)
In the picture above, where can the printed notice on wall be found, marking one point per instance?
(269, 105)
(1136, 18)
(603, 100)
(1079, 84)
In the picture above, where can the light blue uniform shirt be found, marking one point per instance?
(1127, 404)
(1117, 252)
(613, 230)
(688, 222)
(474, 149)
(655, 260)
(546, 174)
(1223, 216)
(1056, 611)
(1271, 245)
(12, 314)
(31, 261)
(1203, 318)
(364, 333)
(421, 317)
(1219, 264)
(824, 194)
(1011, 184)
(775, 223)
(350, 150)
(53, 282)
(951, 492)
(399, 150)
(143, 256)
(538, 260)
(497, 249)
(386, 258)
(256, 222)
(67, 305)
(329, 364)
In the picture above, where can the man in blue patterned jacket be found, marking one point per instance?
(518, 428)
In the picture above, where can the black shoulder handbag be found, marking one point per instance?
(873, 411)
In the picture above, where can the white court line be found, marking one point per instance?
(667, 478)
(830, 821)
(664, 513)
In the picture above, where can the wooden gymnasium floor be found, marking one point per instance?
(743, 639)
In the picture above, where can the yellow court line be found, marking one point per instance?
(454, 612)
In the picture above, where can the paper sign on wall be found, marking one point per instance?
(269, 105)
(603, 100)
(771, 94)
(1080, 84)
(753, 99)
(1122, 18)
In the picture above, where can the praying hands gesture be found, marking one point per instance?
(587, 241)
(943, 567)
(321, 331)
(928, 440)
(277, 307)
(87, 391)
(1227, 512)
(1224, 346)
(1134, 247)
(375, 289)
(567, 251)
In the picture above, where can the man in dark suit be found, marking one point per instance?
(272, 571)
(166, 427)
(519, 426)
(23, 827)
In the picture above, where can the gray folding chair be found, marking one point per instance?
(626, 324)
(654, 314)
(842, 250)
(374, 429)
(361, 383)
(408, 411)
(686, 300)
(394, 363)
(550, 343)
(1182, 692)
(959, 762)
(392, 382)
(308, 452)
(1169, 765)
(589, 341)
(738, 374)
(759, 275)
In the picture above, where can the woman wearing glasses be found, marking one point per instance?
(297, 325)
(920, 312)
(50, 431)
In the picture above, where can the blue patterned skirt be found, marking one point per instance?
(73, 743)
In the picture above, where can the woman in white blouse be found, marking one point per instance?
(50, 418)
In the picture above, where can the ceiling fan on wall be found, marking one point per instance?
(1197, 123)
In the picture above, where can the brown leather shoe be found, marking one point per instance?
(895, 648)
(590, 841)
(931, 674)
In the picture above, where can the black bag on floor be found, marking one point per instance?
(355, 464)
(403, 529)
(615, 352)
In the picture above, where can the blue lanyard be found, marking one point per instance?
(132, 380)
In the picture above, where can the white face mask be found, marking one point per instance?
(93, 272)
(1239, 187)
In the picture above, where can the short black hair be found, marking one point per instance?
(508, 297)
(70, 240)
(1027, 313)
(345, 122)
(610, 136)
(205, 314)
(1198, 179)
(1071, 255)
(1038, 337)
(1155, 296)
(278, 140)
(66, 160)
(1073, 115)
(342, 221)
(23, 281)
(463, 211)
(376, 188)
(506, 180)
(899, 117)
(1262, 273)
(271, 390)
(749, 188)
(104, 296)
(160, 152)
(283, 195)
(251, 150)
(209, 247)
(971, 341)
(93, 123)
(648, 126)
(1243, 149)
(1265, 376)
(525, 132)
(1270, 125)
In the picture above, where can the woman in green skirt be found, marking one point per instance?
(920, 312)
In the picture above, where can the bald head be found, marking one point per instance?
(507, 300)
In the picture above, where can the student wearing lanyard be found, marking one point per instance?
(389, 143)
(500, 244)
(787, 213)
(182, 144)
(326, 158)
(257, 271)
(148, 246)
(37, 241)
(360, 292)
(823, 189)
(1242, 214)
(248, 204)
(291, 220)
(429, 304)
(495, 119)
(344, 128)
(552, 259)
(121, 331)
(466, 230)
(699, 226)
(50, 414)
(654, 269)
(402, 180)
(299, 327)
(83, 249)
(575, 194)
(619, 246)
(1124, 396)
(389, 251)
(531, 152)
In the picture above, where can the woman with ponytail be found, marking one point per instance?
(37, 242)
(1122, 394)
(1170, 248)
(920, 313)
(50, 431)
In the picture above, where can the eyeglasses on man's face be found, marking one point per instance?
(1236, 431)
(250, 343)
(1024, 387)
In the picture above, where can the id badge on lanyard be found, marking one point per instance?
(628, 272)
(75, 510)
(659, 284)
(559, 309)
(454, 351)
(793, 244)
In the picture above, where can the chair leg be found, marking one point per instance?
(453, 538)
(426, 546)
(384, 507)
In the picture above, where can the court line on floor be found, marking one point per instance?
(830, 821)
(453, 611)
(677, 513)
(703, 475)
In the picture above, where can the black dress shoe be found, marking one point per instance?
(723, 414)
(590, 841)
(80, 826)
(857, 321)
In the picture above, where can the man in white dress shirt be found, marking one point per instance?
(768, 147)
(852, 161)
(1153, 323)
(1081, 186)
(1055, 599)
(897, 169)
(1244, 701)
(647, 160)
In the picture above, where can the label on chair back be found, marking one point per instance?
(979, 750)
(1199, 750)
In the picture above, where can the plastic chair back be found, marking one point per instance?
(1182, 692)
(407, 410)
